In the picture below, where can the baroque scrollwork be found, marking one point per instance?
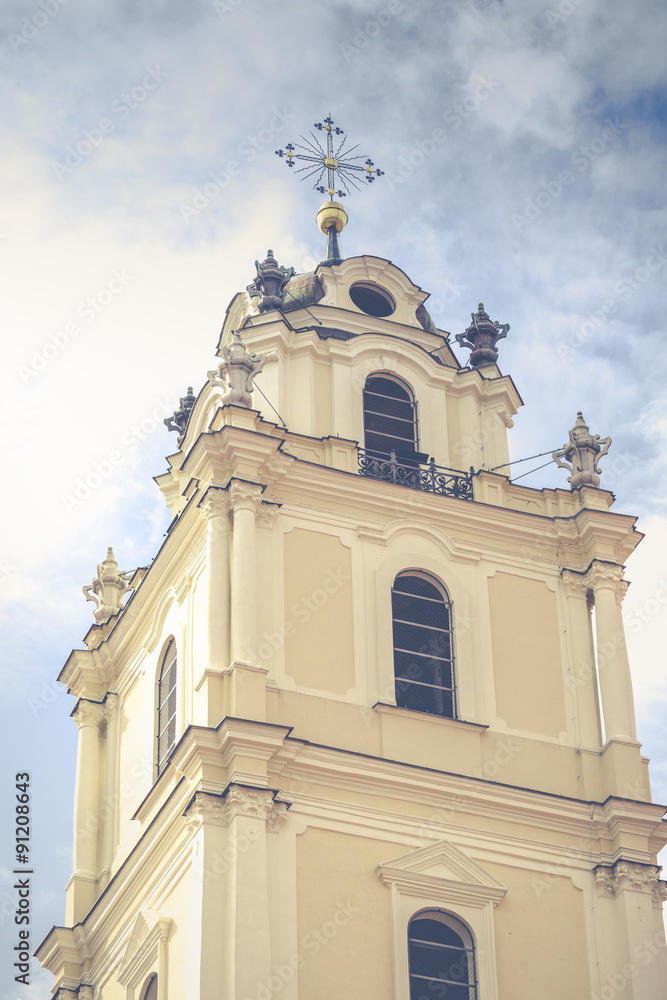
(245, 496)
(574, 584)
(255, 803)
(215, 503)
(581, 455)
(614, 879)
(610, 575)
(108, 589)
(236, 372)
(267, 514)
(90, 713)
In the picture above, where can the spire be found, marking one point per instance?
(481, 337)
(337, 163)
(582, 454)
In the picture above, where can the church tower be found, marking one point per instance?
(365, 725)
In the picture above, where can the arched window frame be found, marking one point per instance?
(465, 961)
(399, 652)
(401, 452)
(150, 989)
(167, 703)
(443, 877)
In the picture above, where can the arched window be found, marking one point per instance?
(390, 419)
(423, 653)
(150, 993)
(166, 707)
(441, 956)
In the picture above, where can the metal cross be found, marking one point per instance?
(335, 162)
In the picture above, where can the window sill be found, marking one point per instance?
(385, 708)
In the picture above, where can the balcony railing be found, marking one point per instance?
(430, 477)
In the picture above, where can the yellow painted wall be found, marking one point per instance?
(540, 934)
(113, 991)
(335, 879)
(319, 649)
(454, 432)
(526, 654)
(322, 385)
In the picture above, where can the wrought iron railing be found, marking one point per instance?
(431, 478)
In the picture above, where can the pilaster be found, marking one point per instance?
(630, 899)
(110, 812)
(215, 508)
(605, 580)
(582, 674)
(248, 677)
(230, 940)
(82, 887)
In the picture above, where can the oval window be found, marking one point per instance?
(372, 300)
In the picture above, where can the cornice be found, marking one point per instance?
(314, 764)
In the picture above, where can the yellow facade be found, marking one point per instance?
(304, 815)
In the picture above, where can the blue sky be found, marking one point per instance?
(524, 150)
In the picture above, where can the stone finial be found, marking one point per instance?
(108, 589)
(582, 454)
(240, 368)
(481, 337)
(270, 283)
(179, 421)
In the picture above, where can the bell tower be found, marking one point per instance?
(365, 723)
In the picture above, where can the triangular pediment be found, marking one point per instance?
(148, 930)
(444, 871)
(144, 923)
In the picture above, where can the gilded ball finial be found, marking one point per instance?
(331, 214)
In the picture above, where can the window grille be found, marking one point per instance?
(441, 956)
(390, 419)
(166, 711)
(423, 648)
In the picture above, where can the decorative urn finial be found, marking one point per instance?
(582, 454)
(270, 283)
(481, 337)
(108, 589)
(240, 368)
(179, 421)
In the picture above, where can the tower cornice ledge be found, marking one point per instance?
(63, 953)
(234, 449)
(85, 675)
(212, 759)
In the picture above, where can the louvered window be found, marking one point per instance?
(423, 647)
(442, 958)
(166, 712)
(390, 419)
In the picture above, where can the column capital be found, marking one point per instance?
(255, 803)
(267, 514)
(611, 880)
(245, 496)
(608, 576)
(574, 584)
(90, 713)
(214, 503)
(85, 993)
